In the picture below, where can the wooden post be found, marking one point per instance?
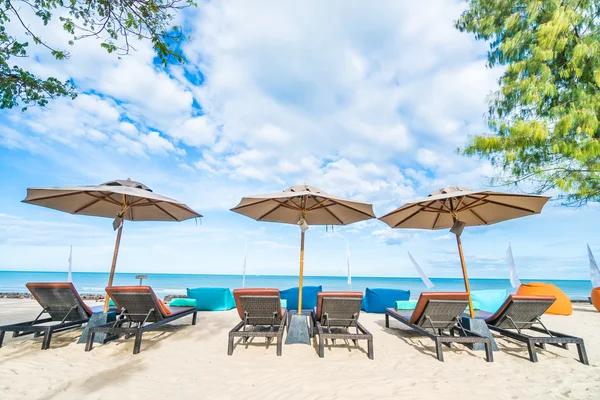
(301, 273)
(114, 264)
(465, 276)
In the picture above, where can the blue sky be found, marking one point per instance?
(364, 102)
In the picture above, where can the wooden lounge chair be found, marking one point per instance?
(336, 313)
(436, 313)
(64, 306)
(141, 311)
(519, 314)
(260, 310)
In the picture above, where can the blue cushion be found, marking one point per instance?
(212, 299)
(378, 299)
(489, 300)
(309, 297)
(183, 302)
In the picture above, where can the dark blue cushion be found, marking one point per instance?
(378, 299)
(309, 297)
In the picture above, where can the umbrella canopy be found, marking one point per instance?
(119, 199)
(303, 205)
(126, 199)
(456, 207)
(316, 206)
(444, 206)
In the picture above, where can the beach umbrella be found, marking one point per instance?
(120, 199)
(456, 207)
(303, 205)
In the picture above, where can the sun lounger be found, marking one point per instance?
(261, 314)
(336, 313)
(520, 314)
(141, 311)
(64, 306)
(438, 316)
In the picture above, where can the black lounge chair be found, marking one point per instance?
(141, 310)
(436, 313)
(64, 306)
(261, 311)
(335, 314)
(520, 314)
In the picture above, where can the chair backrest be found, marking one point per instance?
(439, 309)
(338, 308)
(520, 311)
(261, 306)
(137, 301)
(60, 300)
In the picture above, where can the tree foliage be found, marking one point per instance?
(118, 23)
(546, 115)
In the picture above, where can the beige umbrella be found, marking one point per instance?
(456, 207)
(120, 199)
(303, 205)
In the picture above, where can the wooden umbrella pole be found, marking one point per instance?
(114, 264)
(301, 273)
(465, 276)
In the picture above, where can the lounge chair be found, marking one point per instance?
(260, 310)
(436, 313)
(141, 310)
(521, 313)
(336, 313)
(64, 306)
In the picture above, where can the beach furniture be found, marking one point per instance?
(141, 311)
(309, 297)
(519, 315)
(211, 298)
(65, 308)
(335, 315)
(261, 314)
(377, 300)
(561, 305)
(438, 316)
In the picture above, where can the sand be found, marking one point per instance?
(190, 362)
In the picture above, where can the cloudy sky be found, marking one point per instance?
(364, 102)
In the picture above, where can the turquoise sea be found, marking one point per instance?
(164, 284)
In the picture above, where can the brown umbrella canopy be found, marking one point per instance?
(317, 207)
(133, 201)
(444, 206)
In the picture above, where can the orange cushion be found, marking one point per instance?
(596, 298)
(562, 305)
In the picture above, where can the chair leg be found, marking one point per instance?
(37, 335)
(194, 318)
(279, 344)
(90, 340)
(370, 348)
(582, 354)
(489, 353)
(138, 342)
(230, 345)
(387, 321)
(532, 353)
(321, 347)
(47, 339)
(438, 350)
(2, 337)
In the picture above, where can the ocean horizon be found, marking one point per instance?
(176, 284)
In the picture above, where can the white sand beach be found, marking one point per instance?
(186, 361)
